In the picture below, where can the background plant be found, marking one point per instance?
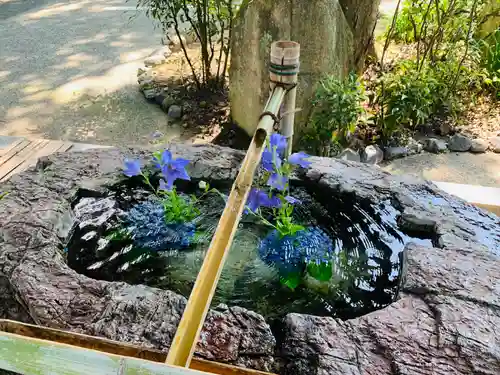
(211, 22)
(337, 107)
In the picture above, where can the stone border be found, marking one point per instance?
(373, 154)
(445, 322)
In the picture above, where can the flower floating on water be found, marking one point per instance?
(132, 168)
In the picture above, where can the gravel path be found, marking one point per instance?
(68, 71)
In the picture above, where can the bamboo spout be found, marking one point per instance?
(189, 329)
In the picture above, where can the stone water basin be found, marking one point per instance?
(429, 304)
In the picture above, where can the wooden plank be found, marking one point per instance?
(10, 146)
(65, 146)
(10, 166)
(29, 356)
(50, 147)
(14, 150)
(114, 347)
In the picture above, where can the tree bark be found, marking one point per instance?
(362, 17)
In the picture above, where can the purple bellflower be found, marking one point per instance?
(278, 181)
(271, 157)
(258, 198)
(132, 168)
(171, 169)
(299, 158)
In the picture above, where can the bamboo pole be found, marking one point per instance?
(188, 331)
(284, 69)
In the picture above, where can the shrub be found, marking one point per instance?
(337, 107)
(211, 22)
(491, 61)
(408, 96)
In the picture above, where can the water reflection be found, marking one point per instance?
(365, 278)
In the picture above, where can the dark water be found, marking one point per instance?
(365, 234)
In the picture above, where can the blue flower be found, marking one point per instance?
(150, 231)
(267, 160)
(164, 185)
(292, 253)
(292, 200)
(299, 158)
(271, 157)
(132, 168)
(171, 169)
(258, 198)
(271, 201)
(278, 142)
(253, 200)
(278, 181)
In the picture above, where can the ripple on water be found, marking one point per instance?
(366, 233)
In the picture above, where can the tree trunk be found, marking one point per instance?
(362, 17)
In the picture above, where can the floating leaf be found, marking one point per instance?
(321, 272)
(291, 280)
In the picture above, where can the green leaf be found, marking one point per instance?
(321, 272)
(291, 280)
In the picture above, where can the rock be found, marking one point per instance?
(436, 146)
(495, 144)
(445, 322)
(414, 147)
(445, 128)
(143, 70)
(262, 22)
(175, 111)
(429, 317)
(146, 78)
(372, 155)
(478, 146)
(167, 103)
(154, 60)
(459, 142)
(395, 152)
(349, 154)
(150, 93)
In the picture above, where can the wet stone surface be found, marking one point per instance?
(444, 322)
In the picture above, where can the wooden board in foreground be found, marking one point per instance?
(22, 154)
(106, 347)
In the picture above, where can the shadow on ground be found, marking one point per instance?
(68, 71)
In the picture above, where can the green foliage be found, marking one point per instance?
(438, 20)
(178, 209)
(490, 62)
(211, 22)
(409, 96)
(3, 195)
(320, 272)
(284, 220)
(292, 280)
(337, 107)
